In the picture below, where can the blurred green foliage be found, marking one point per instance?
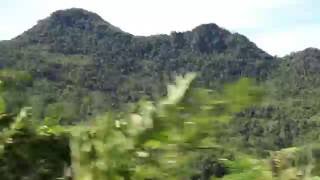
(73, 66)
(174, 138)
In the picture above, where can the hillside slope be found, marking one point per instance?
(289, 115)
(78, 60)
(73, 65)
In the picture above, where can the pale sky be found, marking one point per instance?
(277, 26)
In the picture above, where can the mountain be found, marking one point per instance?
(77, 59)
(75, 64)
(77, 31)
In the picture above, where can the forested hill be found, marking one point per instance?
(76, 31)
(73, 66)
(77, 59)
(76, 65)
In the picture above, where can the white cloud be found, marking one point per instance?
(283, 42)
(146, 17)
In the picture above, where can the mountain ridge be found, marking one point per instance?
(65, 28)
(75, 16)
(74, 66)
(74, 55)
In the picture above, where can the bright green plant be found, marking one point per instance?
(158, 140)
(174, 138)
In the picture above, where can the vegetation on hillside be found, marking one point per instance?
(174, 138)
(73, 67)
(75, 57)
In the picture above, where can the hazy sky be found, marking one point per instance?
(277, 26)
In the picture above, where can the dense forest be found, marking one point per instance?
(81, 99)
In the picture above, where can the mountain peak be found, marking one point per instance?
(208, 26)
(67, 29)
(75, 12)
(311, 50)
(74, 16)
(308, 52)
(80, 19)
(78, 31)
